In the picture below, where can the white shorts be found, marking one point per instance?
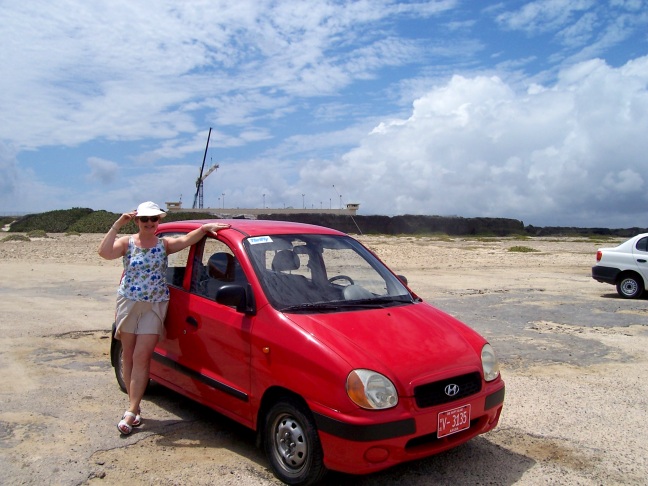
(140, 317)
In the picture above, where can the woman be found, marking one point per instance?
(143, 295)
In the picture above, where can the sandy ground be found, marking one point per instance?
(573, 356)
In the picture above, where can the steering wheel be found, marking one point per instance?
(341, 277)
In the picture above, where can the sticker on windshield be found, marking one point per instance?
(259, 239)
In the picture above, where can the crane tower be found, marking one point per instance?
(198, 198)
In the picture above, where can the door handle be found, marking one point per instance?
(641, 260)
(191, 321)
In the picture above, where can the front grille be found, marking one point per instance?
(432, 394)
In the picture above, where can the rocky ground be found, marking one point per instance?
(573, 356)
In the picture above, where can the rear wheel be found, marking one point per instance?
(292, 444)
(630, 286)
(118, 361)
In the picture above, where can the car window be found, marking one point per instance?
(349, 263)
(642, 244)
(299, 270)
(214, 266)
(177, 263)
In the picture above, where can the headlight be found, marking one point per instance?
(489, 363)
(371, 390)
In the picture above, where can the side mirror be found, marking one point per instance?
(403, 279)
(237, 296)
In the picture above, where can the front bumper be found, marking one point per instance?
(358, 445)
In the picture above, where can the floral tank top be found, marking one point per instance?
(145, 273)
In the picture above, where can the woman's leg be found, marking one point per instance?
(128, 347)
(144, 344)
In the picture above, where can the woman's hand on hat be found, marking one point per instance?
(123, 219)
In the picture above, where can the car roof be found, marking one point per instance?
(253, 227)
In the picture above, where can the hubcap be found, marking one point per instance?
(290, 442)
(629, 287)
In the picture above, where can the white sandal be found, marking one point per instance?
(138, 419)
(124, 427)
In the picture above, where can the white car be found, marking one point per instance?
(625, 266)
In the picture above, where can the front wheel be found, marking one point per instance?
(292, 444)
(630, 287)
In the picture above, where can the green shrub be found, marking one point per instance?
(522, 249)
(5, 220)
(51, 222)
(16, 238)
(83, 220)
(443, 228)
(99, 222)
(37, 234)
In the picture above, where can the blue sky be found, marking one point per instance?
(533, 110)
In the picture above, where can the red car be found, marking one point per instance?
(302, 334)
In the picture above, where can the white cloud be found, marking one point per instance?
(20, 188)
(390, 104)
(544, 15)
(102, 171)
(585, 28)
(8, 171)
(552, 155)
(477, 147)
(625, 181)
(130, 70)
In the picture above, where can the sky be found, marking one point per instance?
(531, 110)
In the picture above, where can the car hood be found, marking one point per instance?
(411, 344)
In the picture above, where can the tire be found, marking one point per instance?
(118, 362)
(292, 444)
(630, 286)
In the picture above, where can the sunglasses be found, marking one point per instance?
(146, 219)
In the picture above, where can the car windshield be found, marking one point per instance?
(322, 273)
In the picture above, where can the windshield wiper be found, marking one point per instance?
(373, 303)
(385, 301)
(315, 306)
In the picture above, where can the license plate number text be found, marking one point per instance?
(453, 421)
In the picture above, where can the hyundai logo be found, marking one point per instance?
(451, 390)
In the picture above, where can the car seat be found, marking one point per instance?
(285, 261)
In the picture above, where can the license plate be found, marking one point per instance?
(453, 421)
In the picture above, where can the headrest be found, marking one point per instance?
(220, 265)
(285, 260)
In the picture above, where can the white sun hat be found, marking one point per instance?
(149, 208)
